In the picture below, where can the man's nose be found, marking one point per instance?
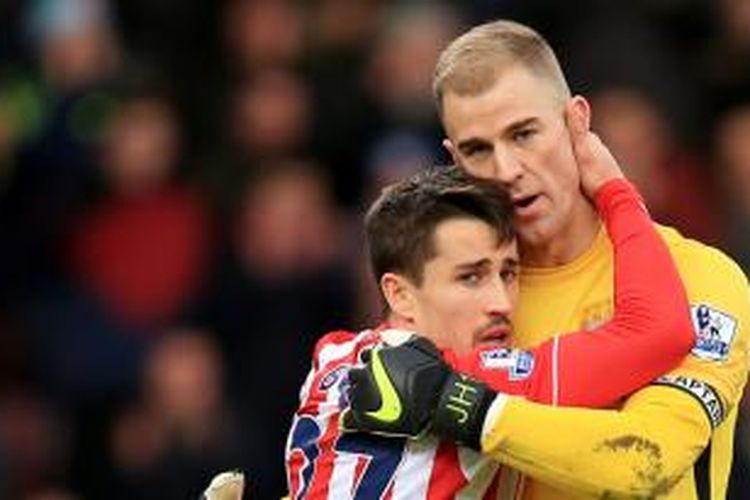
(498, 301)
(507, 168)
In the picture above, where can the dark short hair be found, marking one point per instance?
(401, 223)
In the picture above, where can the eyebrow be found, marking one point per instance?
(477, 264)
(475, 142)
(514, 127)
(509, 261)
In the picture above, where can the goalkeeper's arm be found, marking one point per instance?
(408, 390)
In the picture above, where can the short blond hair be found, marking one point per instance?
(473, 62)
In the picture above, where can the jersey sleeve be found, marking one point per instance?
(720, 313)
(321, 462)
(310, 455)
(642, 450)
(646, 447)
(649, 334)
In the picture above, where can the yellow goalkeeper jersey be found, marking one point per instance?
(672, 439)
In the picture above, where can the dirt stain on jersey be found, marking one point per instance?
(648, 463)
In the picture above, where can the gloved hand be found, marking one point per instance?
(407, 390)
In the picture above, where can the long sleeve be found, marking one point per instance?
(649, 334)
(642, 450)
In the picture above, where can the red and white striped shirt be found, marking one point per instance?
(592, 368)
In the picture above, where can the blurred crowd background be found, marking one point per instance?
(181, 185)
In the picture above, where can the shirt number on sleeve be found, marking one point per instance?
(303, 451)
(381, 458)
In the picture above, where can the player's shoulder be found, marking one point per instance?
(334, 338)
(696, 258)
(338, 345)
(324, 389)
(717, 289)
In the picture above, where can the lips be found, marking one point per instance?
(496, 335)
(525, 205)
(524, 201)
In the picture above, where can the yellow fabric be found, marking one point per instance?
(650, 444)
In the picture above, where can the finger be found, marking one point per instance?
(363, 390)
(365, 394)
(357, 377)
(600, 152)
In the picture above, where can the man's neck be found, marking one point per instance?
(570, 243)
(399, 323)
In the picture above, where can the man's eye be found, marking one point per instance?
(473, 151)
(509, 275)
(523, 135)
(470, 278)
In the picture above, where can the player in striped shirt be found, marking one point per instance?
(443, 251)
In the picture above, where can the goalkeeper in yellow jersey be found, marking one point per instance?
(509, 116)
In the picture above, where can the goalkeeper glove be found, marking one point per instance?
(408, 389)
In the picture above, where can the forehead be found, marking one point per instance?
(516, 95)
(463, 240)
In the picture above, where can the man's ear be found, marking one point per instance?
(399, 294)
(578, 114)
(448, 144)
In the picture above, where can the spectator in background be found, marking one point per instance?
(724, 61)
(270, 115)
(171, 441)
(55, 109)
(398, 82)
(345, 120)
(401, 66)
(616, 44)
(732, 152)
(56, 119)
(135, 261)
(142, 250)
(268, 118)
(180, 39)
(678, 192)
(34, 445)
(285, 276)
(259, 102)
(261, 34)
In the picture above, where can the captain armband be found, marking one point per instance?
(703, 392)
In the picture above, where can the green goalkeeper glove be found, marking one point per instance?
(408, 389)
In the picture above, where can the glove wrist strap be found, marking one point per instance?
(461, 409)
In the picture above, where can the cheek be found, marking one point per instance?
(451, 317)
(445, 308)
(463, 318)
(562, 171)
(482, 169)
